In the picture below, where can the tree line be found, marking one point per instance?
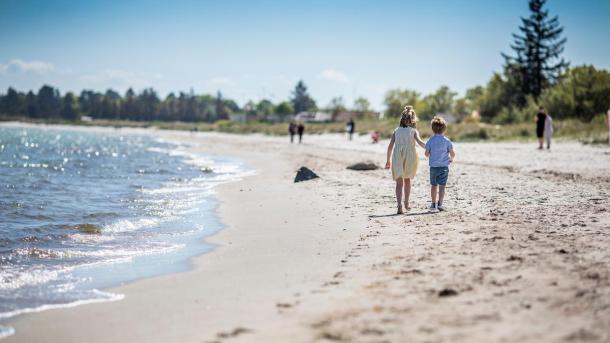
(534, 75)
(48, 103)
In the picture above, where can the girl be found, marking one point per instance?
(404, 157)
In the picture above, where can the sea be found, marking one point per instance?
(84, 210)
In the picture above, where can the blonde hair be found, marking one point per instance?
(408, 117)
(439, 125)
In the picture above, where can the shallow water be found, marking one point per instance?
(83, 210)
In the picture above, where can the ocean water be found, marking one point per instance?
(82, 210)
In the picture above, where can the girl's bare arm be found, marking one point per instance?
(389, 155)
(419, 140)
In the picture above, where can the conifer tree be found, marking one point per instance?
(537, 63)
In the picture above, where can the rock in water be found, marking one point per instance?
(363, 166)
(304, 174)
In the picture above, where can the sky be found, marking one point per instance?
(251, 50)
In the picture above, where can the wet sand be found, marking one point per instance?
(521, 255)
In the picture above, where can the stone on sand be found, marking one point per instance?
(363, 166)
(304, 174)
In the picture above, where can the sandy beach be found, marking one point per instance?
(521, 255)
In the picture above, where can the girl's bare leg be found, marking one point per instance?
(407, 192)
(399, 194)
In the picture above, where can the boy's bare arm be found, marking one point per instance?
(452, 154)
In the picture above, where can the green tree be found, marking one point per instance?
(13, 103)
(264, 108)
(48, 102)
(284, 108)
(438, 102)
(336, 106)
(129, 107)
(396, 99)
(361, 104)
(69, 109)
(110, 106)
(148, 104)
(582, 93)
(464, 107)
(538, 49)
(301, 101)
(221, 110)
(30, 105)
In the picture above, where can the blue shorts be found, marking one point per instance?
(439, 175)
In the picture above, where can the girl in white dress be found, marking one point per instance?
(403, 155)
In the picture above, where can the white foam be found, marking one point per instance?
(128, 225)
(109, 297)
(6, 331)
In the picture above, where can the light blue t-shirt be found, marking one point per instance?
(439, 147)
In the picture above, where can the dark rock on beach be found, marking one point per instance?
(304, 174)
(447, 292)
(363, 166)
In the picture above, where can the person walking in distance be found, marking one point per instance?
(540, 120)
(292, 130)
(300, 130)
(350, 128)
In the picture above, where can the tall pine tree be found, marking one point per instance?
(538, 48)
(301, 101)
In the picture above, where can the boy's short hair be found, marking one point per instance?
(439, 125)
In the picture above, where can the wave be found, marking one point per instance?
(105, 297)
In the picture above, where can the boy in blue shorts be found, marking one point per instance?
(439, 150)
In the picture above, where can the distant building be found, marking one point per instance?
(240, 117)
(357, 115)
(313, 116)
(86, 119)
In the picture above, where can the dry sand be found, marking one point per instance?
(522, 254)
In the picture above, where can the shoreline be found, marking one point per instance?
(327, 260)
(174, 262)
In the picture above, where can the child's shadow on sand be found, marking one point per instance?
(407, 214)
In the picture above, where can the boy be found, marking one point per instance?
(439, 150)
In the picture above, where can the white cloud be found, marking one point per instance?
(18, 65)
(333, 75)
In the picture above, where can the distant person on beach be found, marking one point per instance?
(300, 130)
(375, 135)
(540, 119)
(548, 130)
(292, 130)
(440, 153)
(403, 155)
(350, 128)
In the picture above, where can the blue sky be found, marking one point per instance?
(259, 49)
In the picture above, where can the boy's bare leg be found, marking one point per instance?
(441, 193)
(433, 193)
(407, 189)
(399, 194)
